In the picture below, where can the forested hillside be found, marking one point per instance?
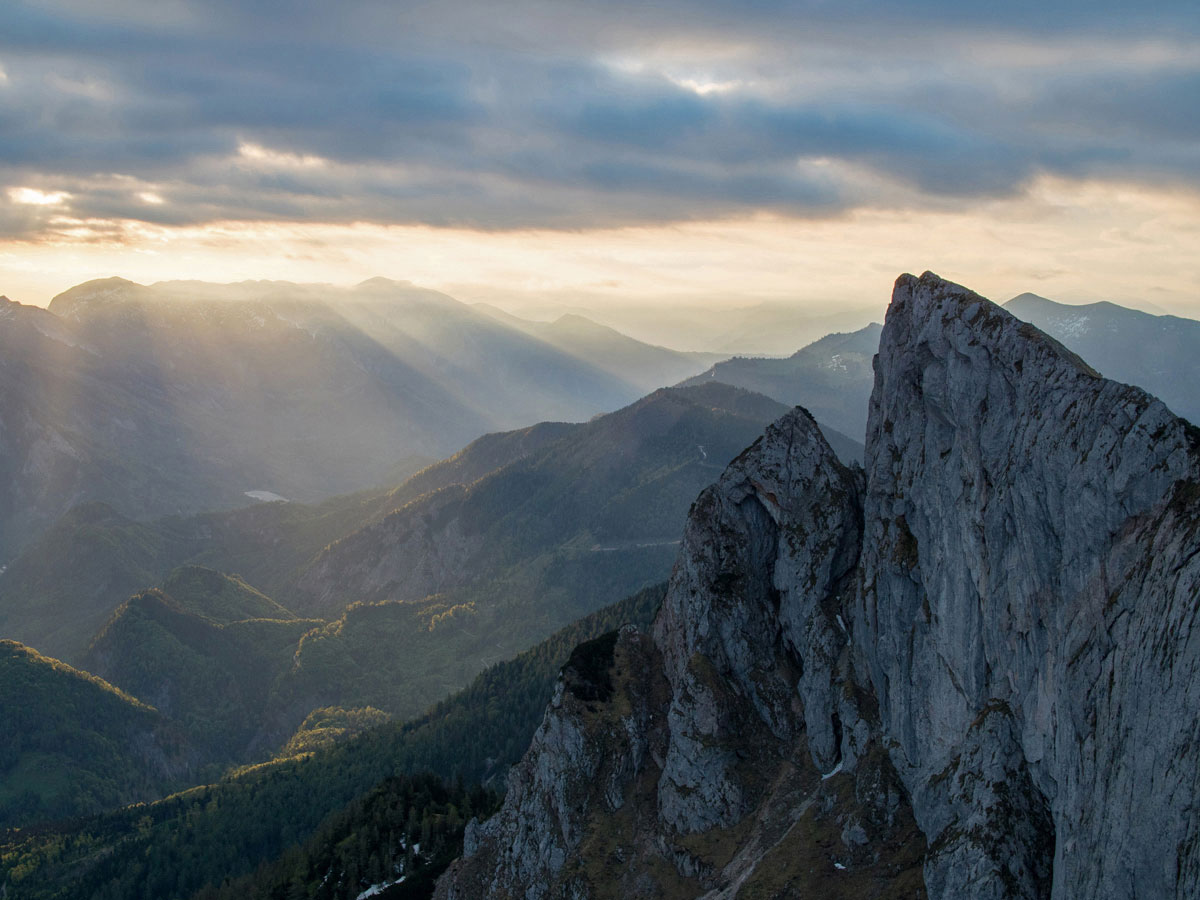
(71, 744)
(196, 840)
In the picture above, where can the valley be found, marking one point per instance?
(267, 649)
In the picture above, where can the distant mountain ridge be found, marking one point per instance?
(184, 396)
(1158, 353)
(769, 328)
(830, 377)
(642, 365)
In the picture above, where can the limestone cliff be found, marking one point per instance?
(970, 670)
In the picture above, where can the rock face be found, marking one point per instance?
(971, 670)
(1029, 593)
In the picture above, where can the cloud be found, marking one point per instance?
(573, 115)
(33, 197)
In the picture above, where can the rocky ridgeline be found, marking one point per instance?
(969, 671)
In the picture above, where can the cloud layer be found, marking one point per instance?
(576, 115)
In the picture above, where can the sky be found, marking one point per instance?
(533, 154)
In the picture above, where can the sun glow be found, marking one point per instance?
(1072, 241)
(28, 196)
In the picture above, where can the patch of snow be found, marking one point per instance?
(1076, 326)
(833, 771)
(835, 363)
(702, 453)
(379, 888)
(841, 623)
(839, 867)
(265, 496)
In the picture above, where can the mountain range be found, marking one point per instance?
(768, 328)
(383, 601)
(186, 396)
(860, 682)
(830, 377)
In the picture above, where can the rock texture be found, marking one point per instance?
(971, 670)
(1029, 571)
(729, 750)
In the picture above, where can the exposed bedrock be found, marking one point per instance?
(969, 671)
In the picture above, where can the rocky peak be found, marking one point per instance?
(687, 755)
(1012, 595)
(971, 670)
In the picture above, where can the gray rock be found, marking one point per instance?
(987, 642)
(1030, 542)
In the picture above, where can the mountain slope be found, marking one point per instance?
(1160, 354)
(184, 396)
(593, 515)
(831, 378)
(644, 366)
(219, 597)
(59, 592)
(974, 665)
(213, 679)
(73, 744)
(469, 574)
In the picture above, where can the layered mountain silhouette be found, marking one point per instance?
(185, 396)
(950, 674)
(831, 378)
(548, 512)
(384, 600)
(642, 366)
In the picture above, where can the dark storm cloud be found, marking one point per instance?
(570, 115)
